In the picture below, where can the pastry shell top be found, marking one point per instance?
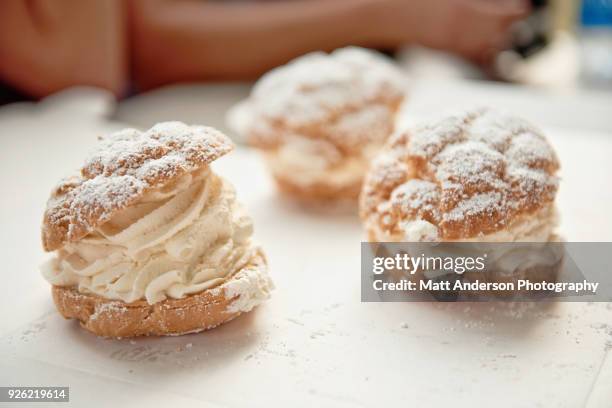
(327, 97)
(469, 174)
(123, 167)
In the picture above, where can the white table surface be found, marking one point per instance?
(313, 343)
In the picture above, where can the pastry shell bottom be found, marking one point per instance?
(171, 317)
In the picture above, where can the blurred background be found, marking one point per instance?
(192, 60)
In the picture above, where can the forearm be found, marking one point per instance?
(195, 40)
(49, 45)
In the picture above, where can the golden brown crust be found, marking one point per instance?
(468, 174)
(194, 313)
(122, 169)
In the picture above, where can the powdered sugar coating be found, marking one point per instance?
(122, 167)
(469, 173)
(416, 198)
(249, 287)
(347, 97)
(315, 85)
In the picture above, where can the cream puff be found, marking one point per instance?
(148, 240)
(320, 119)
(475, 176)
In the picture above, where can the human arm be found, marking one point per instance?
(48, 45)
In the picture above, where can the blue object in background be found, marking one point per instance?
(596, 13)
(596, 43)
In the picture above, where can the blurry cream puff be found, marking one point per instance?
(320, 119)
(148, 240)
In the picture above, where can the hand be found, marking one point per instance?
(472, 28)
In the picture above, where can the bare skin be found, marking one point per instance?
(471, 28)
(46, 45)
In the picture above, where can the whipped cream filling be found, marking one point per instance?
(177, 240)
(306, 162)
(508, 259)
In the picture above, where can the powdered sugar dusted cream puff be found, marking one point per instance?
(478, 175)
(321, 118)
(148, 240)
(470, 177)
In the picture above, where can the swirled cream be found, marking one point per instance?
(307, 162)
(177, 240)
(530, 237)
